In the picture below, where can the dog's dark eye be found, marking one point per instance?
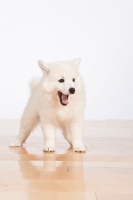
(73, 79)
(61, 80)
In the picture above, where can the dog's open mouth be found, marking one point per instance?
(63, 98)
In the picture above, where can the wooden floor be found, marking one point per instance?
(104, 172)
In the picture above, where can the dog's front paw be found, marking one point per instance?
(49, 146)
(16, 143)
(79, 147)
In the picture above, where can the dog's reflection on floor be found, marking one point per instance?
(52, 175)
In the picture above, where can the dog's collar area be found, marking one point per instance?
(63, 98)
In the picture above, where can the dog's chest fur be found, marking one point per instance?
(52, 110)
(64, 114)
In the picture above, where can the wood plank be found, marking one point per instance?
(47, 195)
(104, 172)
(114, 196)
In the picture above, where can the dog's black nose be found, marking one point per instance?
(72, 90)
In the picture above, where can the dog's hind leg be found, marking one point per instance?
(67, 135)
(29, 120)
(49, 132)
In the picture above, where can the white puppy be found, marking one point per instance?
(57, 101)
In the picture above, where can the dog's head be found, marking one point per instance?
(60, 78)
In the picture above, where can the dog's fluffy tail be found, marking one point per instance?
(33, 83)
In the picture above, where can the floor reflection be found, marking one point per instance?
(52, 175)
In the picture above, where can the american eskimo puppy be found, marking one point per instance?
(57, 101)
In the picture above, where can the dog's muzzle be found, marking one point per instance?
(64, 97)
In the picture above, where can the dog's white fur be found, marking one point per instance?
(44, 105)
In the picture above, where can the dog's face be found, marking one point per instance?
(60, 79)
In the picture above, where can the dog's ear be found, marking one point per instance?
(77, 61)
(44, 66)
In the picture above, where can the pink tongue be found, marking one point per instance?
(64, 99)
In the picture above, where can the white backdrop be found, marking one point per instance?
(98, 31)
